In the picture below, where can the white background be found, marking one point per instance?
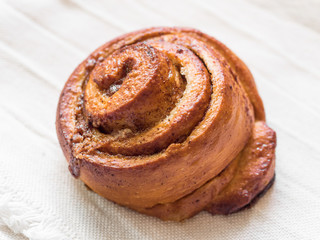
(41, 42)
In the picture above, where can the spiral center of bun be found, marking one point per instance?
(133, 88)
(143, 97)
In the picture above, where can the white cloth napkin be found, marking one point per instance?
(41, 42)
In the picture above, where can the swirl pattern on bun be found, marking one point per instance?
(168, 122)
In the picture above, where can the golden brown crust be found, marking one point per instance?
(152, 119)
(235, 187)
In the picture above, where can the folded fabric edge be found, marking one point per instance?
(24, 217)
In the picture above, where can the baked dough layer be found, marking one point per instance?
(167, 121)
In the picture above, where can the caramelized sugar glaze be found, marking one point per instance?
(168, 122)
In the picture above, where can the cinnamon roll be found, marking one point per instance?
(168, 122)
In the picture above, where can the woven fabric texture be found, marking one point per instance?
(41, 42)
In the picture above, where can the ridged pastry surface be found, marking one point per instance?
(168, 122)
